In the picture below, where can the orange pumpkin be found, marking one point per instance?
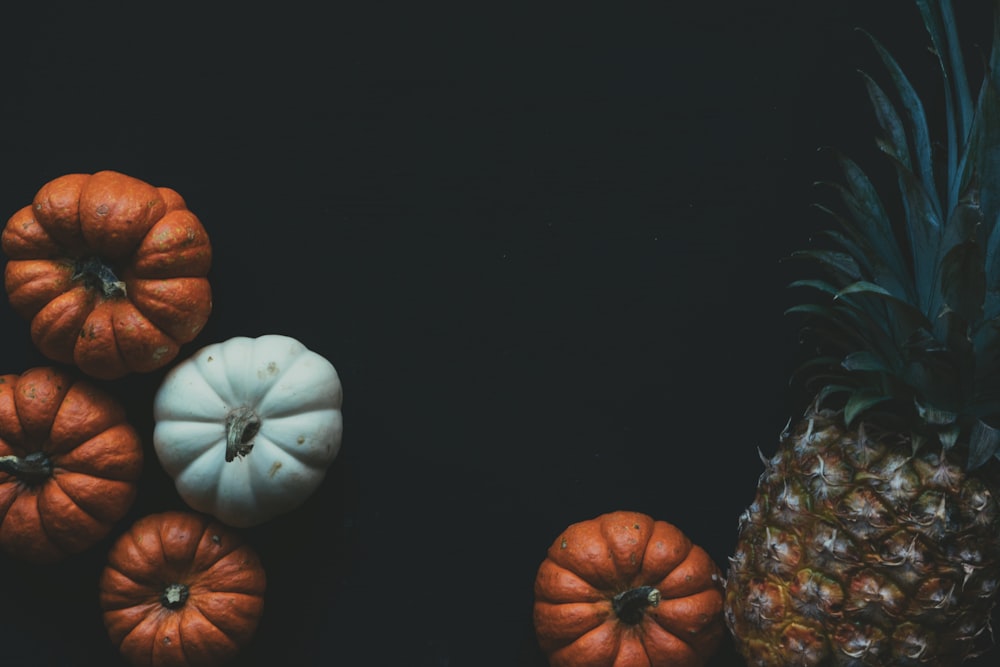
(180, 589)
(110, 271)
(624, 590)
(69, 462)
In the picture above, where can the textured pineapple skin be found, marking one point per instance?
(857, 551)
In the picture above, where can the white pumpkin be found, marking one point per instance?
(247, 428)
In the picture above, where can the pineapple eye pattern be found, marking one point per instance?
(864, 514)
(870, 576)
(863, 643)
(815, 595)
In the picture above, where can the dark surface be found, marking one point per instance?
(541, 245)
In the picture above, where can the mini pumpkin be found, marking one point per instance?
(110, 271)
(248, 427)
(623, 589)
(180, 589)
(69, 463)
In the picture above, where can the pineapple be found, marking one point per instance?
(874, 535)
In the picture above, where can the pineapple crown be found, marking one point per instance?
(910, 319)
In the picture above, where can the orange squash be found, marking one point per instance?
(110, 271)
(180, 589)
(624, 590)
(69, 463)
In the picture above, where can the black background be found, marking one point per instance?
(541, 242)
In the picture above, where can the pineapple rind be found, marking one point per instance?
(859, 551)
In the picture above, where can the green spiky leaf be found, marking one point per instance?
(864, 360)
(916, 117)
(840, 265)
(963, 280)
(860, 401)
(984, 444)
(904, 314)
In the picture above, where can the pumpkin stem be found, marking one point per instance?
(174, 596)
(242, 425)
(98, 275)
(630, 605)
(34, 468)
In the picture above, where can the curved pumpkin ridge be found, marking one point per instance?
(301, 368)
(57, 326)
(96, 350)
(209, 370)
(120, 591)
(86, 412)
(114, 454)
(38, 395)
(137, 559)
(106, 500)
(11, 441)
(198, 481)
(180, 307)
(239, 571)
(577, 550)
(22, 532)
(632, 651)
(274, 399)
(135, 645)
(626, 535)
(171, 198)
(32, 283)
(564, 622)
(295, 474)
(692, 619)
(240, 500)
(214, 544)
(24, 239)
(143, 346)
(116, 211)
(65, 523)
(188, 441)
(596, 648)
(197, 383)
(284, 455)
(120, 623)
(8, 494)
(177, 246)
(665, 648)
(56, 207)
(301, 444)
(179, 538)
(556, 584)
(168, 641)
(693, 574)
(200, 637)
(235, 614)
(667, 548)
(234, 379)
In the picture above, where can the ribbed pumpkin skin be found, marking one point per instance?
(110, 271)
(224, 584)
(93, 456)
(676, 592)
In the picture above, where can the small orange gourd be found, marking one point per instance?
(110, 271)
(69, 463)
(180, 589)
(623, 589)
